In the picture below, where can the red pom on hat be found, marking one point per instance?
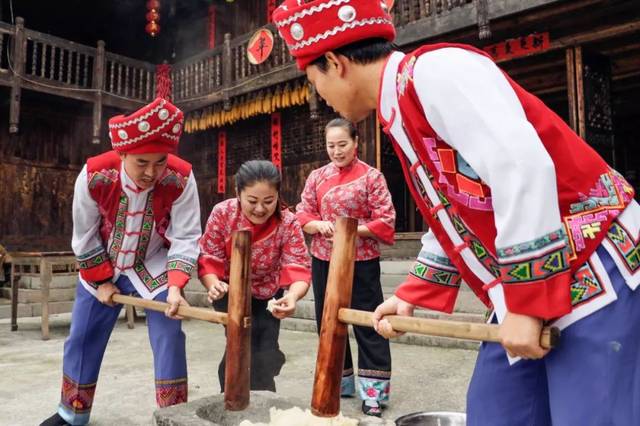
(313, 28)
(153, 128)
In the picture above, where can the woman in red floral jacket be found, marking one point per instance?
(279, 263)
(350, 187)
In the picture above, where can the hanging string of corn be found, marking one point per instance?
(265, 102)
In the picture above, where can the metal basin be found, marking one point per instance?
(436, 418)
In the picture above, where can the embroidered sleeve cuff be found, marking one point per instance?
(536, 277)
(293, 273)
(428, 295)
(430, 287)
(210, 265)
(546, 299)
(304, 218)
(97, 273)
(382, 230)
(177, 278)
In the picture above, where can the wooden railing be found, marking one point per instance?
(225, 71)
(49, 59)
(198, 76)
(6, 32)
(54, 65)
(129, 78)
(408, 11)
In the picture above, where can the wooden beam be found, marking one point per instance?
(98, 85)
(19, 50)
(571, 87)
(580, 92)
(588, 37)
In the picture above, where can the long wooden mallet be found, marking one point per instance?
(336, 315)
(325, 401)
(184, 311)
(238, 359)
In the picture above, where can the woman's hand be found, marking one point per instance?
(325, 228)
(216, 289)
(285, 306)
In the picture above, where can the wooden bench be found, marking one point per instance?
(44, 265)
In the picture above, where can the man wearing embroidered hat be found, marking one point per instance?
(136, 226)
(518, 206)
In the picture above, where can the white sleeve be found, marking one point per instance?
(184, 229)
(86, 220)
(471, 105)
(432, 253)
(87, 244)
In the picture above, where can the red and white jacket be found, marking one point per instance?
(357, 190)
(279, 256)
(516, 202)
(149, 235)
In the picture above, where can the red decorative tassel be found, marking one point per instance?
(222, 161)
(276, 140)
(163, 81)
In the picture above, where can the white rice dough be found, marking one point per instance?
(270, 304)
(295, 416)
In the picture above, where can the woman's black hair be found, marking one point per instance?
(254, 171)
(361, 52)
(344, 124)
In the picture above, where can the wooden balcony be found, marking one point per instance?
(60, 67)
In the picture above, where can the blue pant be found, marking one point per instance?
(592, 379)
(91, 326)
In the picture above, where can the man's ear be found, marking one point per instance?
(122, 156)
(336, 63)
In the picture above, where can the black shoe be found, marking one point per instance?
(55, 420)
(372, 408)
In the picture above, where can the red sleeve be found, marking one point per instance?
(95, 268)
(430, 287)
(538, 286)
(213, 256)
(383, 214)
(177, 278)
(295, 262)
(308, 209)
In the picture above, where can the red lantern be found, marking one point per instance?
(153, 16)
(152, 28)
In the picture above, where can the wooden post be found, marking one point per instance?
(130, 314)
(571, 87)
(313, 102)
(46, 275)
(227, 71)
(238, 358)
(581, 128)
(14, 296)
(98, 86)
(19, 49)
(325, 401)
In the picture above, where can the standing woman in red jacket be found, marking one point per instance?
(350, 187)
